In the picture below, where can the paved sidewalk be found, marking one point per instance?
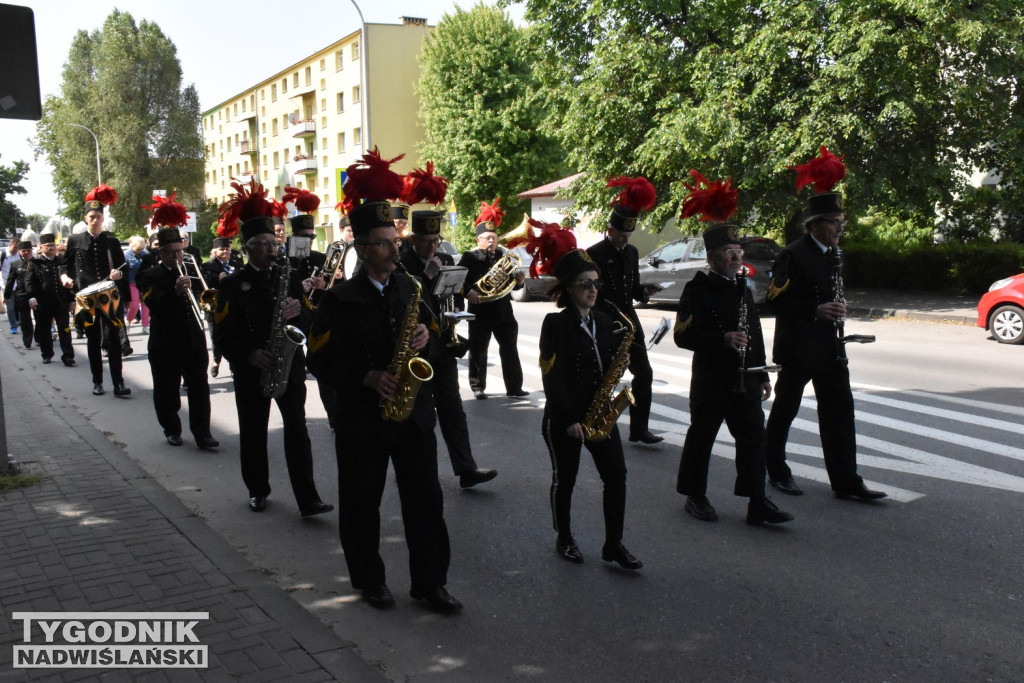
(913, 305)
(99, 535)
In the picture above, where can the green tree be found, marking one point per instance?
(482, 110)
(915, 93)
(10, 184)
(124, 83)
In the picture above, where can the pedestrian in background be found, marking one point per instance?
(134, 255)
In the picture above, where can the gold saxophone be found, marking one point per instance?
(606, 407)
(405, 364)
(284, 340)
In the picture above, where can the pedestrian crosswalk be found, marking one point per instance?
(900, 432)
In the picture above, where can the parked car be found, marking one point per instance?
(1001, 310)
(533, 287)
(447, 247)
(677, 262)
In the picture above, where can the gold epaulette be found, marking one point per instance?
(546, 364)
(221, 313)
(681, 325)
(317, 341)
(774, 291)
(145, 295)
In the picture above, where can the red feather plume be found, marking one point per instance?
(247, 202)
(549, 243)
(104, 194)
(637, 193)
(823, 172)
(226, 229)
(371, 179)
(490, 212)
(305, 201)
(167, 212)
(421, 185)
(277, 209)
(713, 200)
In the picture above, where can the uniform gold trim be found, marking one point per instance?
(317, 341)
(774, 290)
(547, 363)
(221, 313)
(681, 325)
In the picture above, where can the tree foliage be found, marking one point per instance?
(124, 83)
(482, 110)
(10, 184)
(914, 93)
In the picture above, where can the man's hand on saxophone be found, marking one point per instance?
(262, 359)
(291, 309)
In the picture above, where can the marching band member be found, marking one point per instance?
(177, 339)
(620, 263)
(718, 321)
(223, 262)
(359, 330)
(91, 257)
(49, 301)
(16, 289)
(248, 305)
(492, 317)
(577, 348)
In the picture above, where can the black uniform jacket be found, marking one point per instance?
(90, 259)
(214, 267)
(708, 308)
(17, 279)
(173, 325)
(478, 262)
(302, 269)
(620, 277)
(415, 266)
(246, 305)
(569, 364)
(801, 279)
(354, 331)
(42, 281)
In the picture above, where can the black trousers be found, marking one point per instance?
(363, 454)
(168, 368)
(743, 415)
(507, 334)
(44, 313)
(253, 415)
(835, 421)
(25, 318)
(565, 465)
(450, 413)
(102, 333)
(643, 380)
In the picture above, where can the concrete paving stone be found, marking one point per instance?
(237, 663)
(299, 660)
(265, 658)
(242, 643)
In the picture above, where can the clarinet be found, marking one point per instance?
(838, 296)
(744, 327)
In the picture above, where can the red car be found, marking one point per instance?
(1001, 310)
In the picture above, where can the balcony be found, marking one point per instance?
(247, 147)
(304, 164)
(304, 128)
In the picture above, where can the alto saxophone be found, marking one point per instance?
(406, 365)
(606, 407)
(284, 340)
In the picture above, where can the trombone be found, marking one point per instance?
(208, 298)
(193, 304)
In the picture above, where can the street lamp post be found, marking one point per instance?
(364, 92)
(99, 178)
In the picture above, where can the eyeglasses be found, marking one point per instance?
(738, 253)
(838, 222)
(588, 284)
(427, 240)
(256, 244)
(384, 244)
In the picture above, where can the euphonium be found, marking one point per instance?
(500, 279)
(606, 407)
(284, 340)
(406, 365)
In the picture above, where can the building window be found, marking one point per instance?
(339, 60)
(323, 84)
(264, 159)
(341, 102)
(273, 93)
(277, 159)
(215, 176)
(323, 122)
(229, 144)
(263, 93)
(309, 75)
(273, 127)
(285, 120)
(236, 108)
(323, 143)
(263, 111)
(341, 143)
(323, 64)
(263, 127)
(323, 104)
(295, 79)
(355, 50)
(284, 85)
(355, 94)
(243, 106)
(252, 102)
(325, 161)
(357, 136)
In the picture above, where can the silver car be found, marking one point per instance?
(677, 262)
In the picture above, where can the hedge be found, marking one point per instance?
(955, 268)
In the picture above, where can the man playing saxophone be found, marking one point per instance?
(718, 321)
(362, 325)
(248, 306)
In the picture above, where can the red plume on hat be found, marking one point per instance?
(277, 209)
(637, 193)
(247, 202)
(104, 194)
(823, 172)
(305, 201)
(421, 185)
(712, 200)
(167, 212)
(371, 179)
(490, 213)
(548, 243)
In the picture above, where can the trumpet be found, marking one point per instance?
(193, 304)
(208, 297)
(332, 259)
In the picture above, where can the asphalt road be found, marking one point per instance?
(924, 586)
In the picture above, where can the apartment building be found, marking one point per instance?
(304, 125)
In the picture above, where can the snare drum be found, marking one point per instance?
(102, 295)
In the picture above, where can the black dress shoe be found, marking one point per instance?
(787, 486)
(860, 492)
(206, 442)
(568, 549)
(97, 390)
(437, 599)
(258, 503)
(317, 508)
(127, 350)
(378, 596)
(766, 512)
(477, 476)
(174, 439)
(479, 395)
(700, 507)
(47, 361)
(618, 553)
(215, 370)
(70, 362)
(121, 391)
(646, 438)
(522, 393)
